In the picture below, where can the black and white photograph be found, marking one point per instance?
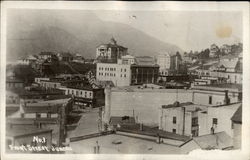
(124, 80)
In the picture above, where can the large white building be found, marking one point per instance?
(169, 63)
(140, 102)
(217, 119)
(180, 118)
(128, 70)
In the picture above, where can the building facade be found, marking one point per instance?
(119, 74)
(169, 63)
(180, 118)
(110, 52)
(211, 95)
(141, 102)
(217, 119)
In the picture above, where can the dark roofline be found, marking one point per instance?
(34, 132)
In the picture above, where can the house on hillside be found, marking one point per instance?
(49, 56)
(78, 58)
(65, 56)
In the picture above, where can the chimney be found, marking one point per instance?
(141, 126)
(227, 99)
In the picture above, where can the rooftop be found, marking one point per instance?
(149, 88)
(151, 131)
(224, 86)
(218, 140)
(144, 61)
(237, 117)
(122, 120)
(45, 106)
(25, 130)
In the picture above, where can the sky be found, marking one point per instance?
(190, 30)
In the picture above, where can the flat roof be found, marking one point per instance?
(24, 130)
(48, 102)
(137, 88)
(224, 86)
(139, 146)
(189, 106)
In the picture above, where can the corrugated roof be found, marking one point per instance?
(237, 117)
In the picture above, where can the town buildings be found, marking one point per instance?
(217, 94)
(180, 118)
(85, 95)
(18, 136)
(47, 114)
(217, 119)
(169, 63)
(218, 140)
(110, 52)
(141, 102)
(14, 83)
(128, 71)
(65, 56)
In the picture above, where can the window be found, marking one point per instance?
(174, 120)
(174, 130)
(194, 121)
(48, 115)
(124, 75)
(38, 115)
(215, 121)
(90, 94)
(125, 70)
(121, 75)
(114, 69)
(121, 69)
(85, 94)
(210, 100)
(114, 74)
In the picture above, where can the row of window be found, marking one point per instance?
(110, 69)
(80, 93)
(38, 115)
(107, 69)
(111, 74)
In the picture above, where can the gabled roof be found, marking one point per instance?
(237, 117)
(228, 64)
(220, 140)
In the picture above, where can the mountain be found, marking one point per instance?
(33, 31)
